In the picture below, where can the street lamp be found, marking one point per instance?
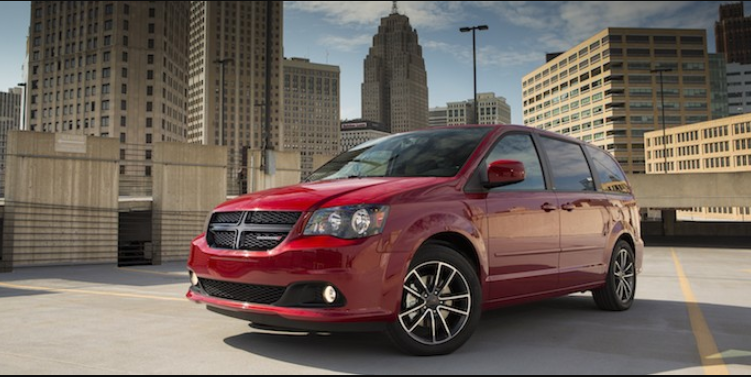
(664, 130)
(222, 63)
(473, 29)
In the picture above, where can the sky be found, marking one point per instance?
(521, 33)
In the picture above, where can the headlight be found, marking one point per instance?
(348, 222)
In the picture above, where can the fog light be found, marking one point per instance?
(193, 279)
(329, 295)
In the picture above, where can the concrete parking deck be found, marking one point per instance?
(693, 316)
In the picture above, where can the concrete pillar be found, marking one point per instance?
(669, 220)
(288, 171)
(61, 202)
(189, 181)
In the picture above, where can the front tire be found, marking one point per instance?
(441, 303)
(618, 293)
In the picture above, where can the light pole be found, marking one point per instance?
(222, 63)
(473, 29)
(664, 129)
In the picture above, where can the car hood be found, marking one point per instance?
(315, 195)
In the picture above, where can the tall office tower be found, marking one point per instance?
(603, 91)
(10, 120)
(733, 34)
(236, 46)
(395, 88)
(311, 110)
(110, 69)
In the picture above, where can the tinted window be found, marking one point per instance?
(434, 153)
(611, 176)
(568, 166)
(520, 148)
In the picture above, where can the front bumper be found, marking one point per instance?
(369, 280)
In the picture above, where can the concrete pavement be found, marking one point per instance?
(104, 320)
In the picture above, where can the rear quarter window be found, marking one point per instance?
(612, 178)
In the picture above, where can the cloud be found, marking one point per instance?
(564, 24)
(422, 14)
(346, 44)
(487, 56)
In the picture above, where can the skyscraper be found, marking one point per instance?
(603, 90)
(311, 110)
(233, 45)
(395, 88)
(109, 69)
(733, 34)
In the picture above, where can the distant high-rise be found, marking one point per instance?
(733, 34)
(461, 113)
(110, 69)
(493, 109)
(395, 88)
(232, 35)
(359, 131)
(311, 110)
(718, 82)
(739, 88)
(439, 117)
(10, 120)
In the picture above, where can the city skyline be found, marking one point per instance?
(340, 33)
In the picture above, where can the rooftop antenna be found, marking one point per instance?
(395, 8)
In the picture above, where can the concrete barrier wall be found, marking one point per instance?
(61, 202)
(692, 190)
(288, 171)
(189, 181)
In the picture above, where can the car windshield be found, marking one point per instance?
(431, 153)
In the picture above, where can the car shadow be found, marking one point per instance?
(561, 336)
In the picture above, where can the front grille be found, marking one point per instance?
(226, 217)
(285, 218)
(223, 240)
(254, 294)
(233, 230)
(256, 241)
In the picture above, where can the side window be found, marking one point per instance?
(611, 176)
(568, 165)
(520, 147)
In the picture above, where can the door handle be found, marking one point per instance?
(547, 207)
(568, 207)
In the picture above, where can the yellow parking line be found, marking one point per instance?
(85, 292)
(173, 274)
(711, 359)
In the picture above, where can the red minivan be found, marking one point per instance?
(416, 234)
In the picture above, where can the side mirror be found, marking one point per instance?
(505, 172)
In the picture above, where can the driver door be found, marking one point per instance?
(523, 225)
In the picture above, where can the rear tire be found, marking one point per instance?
(441, 303)
(618, 293)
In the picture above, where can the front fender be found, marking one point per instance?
(409, 229)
